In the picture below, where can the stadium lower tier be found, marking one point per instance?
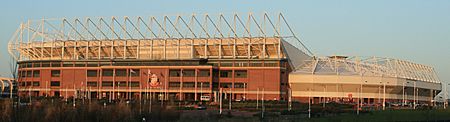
(369, 89)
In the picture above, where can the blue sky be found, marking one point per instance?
(413, 30)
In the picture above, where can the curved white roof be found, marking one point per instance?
(368, 66)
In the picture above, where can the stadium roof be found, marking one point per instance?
(368, 66)
(150, 38)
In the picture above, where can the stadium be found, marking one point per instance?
(202, 57)
(194, 57)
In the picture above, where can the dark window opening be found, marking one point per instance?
(36, 73)
(23, 74)
(174, 84)
(107, 72)
(80, 65)
(188, 84)
(203, 84)
(68, 64)
(225, 85)
(56, 64)
(189, 73)
(121, 72)
(226, 73)
(56, 73)
(240, 85)
(36, 83)
(134, 84)
(92, 73)
(28, 74)
(175, 73)
(107, 83)
(204, 73)
(121, 83)
(135, 72)
(92, 83)
(55, 83)
(240, 73)
(36, 64)
(93, 64)
(45, 64)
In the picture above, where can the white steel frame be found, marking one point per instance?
(151, 38)
(370, 66)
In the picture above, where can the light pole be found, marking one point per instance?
(324, 92)
(403, 95)
(384, 95)
(415, 97)
(220, 100)
(359, 100)
(290, 99)
(309, 104)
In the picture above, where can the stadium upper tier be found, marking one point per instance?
(165, 38)
(369, 66)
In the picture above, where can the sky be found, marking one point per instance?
(412, 30)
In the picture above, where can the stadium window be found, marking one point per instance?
(29, 83)
(55, 83)
(135, 72)
(67, 64)
(174, 84)
(226, 73)
(240, 85)
(92, 73)
(107, 83)
(80, 65)
(204, 73)
(240, 73)
(29, 65)
(36, 83)
(226, 64)
(22, 73)
(256, 64)
(92, 64)
(22, 83)
(203, 84)
(270, 64)
(188, 84)
(241, 64)
(56, 64)
(29, 74)
(47, 64)
(56, 73)
(36, 64)
(189, 73)
(36, 73)
(121, 83)
(107, 72)
(134, 84)
(105, 64)
(92, 83)
(174, 73)
(225, 85)
(121, 72)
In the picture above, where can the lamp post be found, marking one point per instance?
(403, 95)
(415, 97)
(359, 100)
(309, 104)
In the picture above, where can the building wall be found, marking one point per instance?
(259, 81)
